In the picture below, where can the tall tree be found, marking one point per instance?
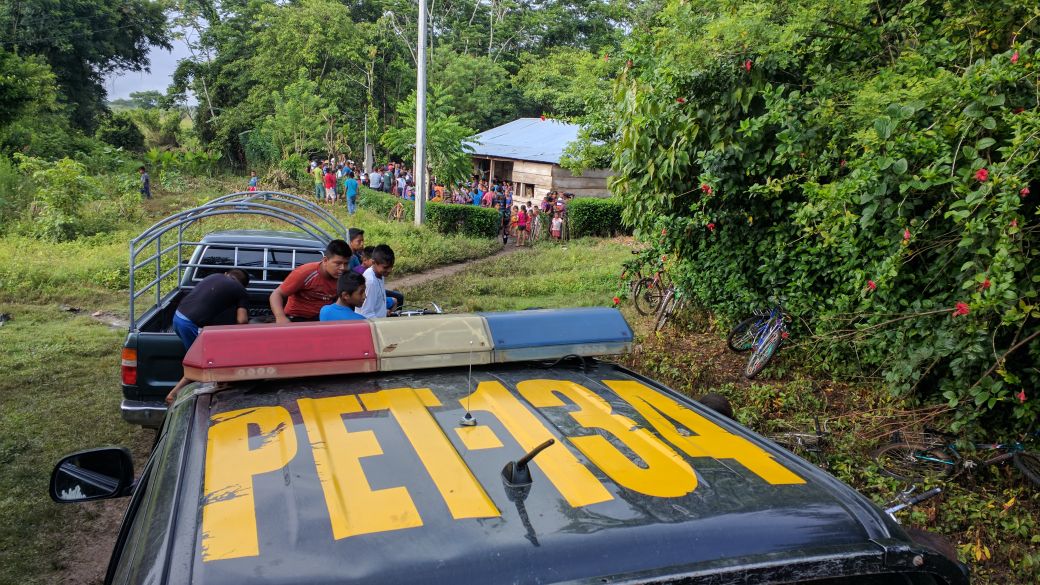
(83, 41)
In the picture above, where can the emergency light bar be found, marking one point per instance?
(291, 350)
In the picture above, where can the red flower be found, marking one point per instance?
(706, 188)
(543, 117)
(906, 235)
(628, 63)
(711, 227)
(617, 301)
(747, 65)
(984, 284)
(1021, 396)
(680, 100)
(784, 335)
(1014, 223)
(842, 163)
(664, 232)
(1018, 110)
(606, 56)
(664, 258)
(1014, 58)
(961, 309)
(1023, 192)
(982, 174)
(871, 285)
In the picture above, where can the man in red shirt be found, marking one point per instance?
(311, 286)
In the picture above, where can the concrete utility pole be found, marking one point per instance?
(421, 185)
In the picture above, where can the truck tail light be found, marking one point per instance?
(129, 366)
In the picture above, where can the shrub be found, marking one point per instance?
(120, 131)
(595, 217)
(468, 220)
(15, 193)
(381, 203)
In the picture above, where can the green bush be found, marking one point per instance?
(120, 131)
(595, 217)
(468, 220)
(16, 191)
(883, 166)
(381, 203)
(445, 218)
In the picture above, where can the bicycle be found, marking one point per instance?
(762, 334)
(396, 212)
(809, 446)
(935, 456)
(650, 291)
(671, 303)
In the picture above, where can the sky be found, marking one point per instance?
(163, 64)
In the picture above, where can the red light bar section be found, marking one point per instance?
(290, 350)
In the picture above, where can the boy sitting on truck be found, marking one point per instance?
(311, 286)
(351, 290)
(211, 296)
(376, 304)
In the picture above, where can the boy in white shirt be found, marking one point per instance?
(376, 304)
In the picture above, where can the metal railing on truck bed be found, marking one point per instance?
(312, 220)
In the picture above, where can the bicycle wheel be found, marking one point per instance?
(762, 353)
(647, 296)
(913, 462)
(1029, 464)
(665, 311)
(742, 337)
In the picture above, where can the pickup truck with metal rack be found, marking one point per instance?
(166, 262)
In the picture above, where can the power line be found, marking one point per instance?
(33, 41)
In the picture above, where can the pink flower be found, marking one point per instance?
(628, 63)
(747, 65)
(842, 163)
(1021, 396)
(984, 284)
(1023, 192)
(711, 227)
(664, 232)
(680, 100)
(706, 188)
(1014, 58)
(1014, 223)
(606, 56)
(871, 285)
(617, 301)
(961, 309)
(906, 235)
(982, 174)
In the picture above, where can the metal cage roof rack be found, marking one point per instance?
(296, 211)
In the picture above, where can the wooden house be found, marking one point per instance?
(526, 153)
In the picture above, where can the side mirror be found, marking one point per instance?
(95, 474)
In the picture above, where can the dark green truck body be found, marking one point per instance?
(268, 256)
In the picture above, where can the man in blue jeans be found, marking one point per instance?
(211, 296)
(351, 187)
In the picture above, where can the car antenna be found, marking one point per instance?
(516, 473)
(467, 419)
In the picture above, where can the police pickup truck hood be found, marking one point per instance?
(374, 479)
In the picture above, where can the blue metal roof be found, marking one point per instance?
(531, 139)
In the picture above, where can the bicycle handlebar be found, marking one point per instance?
(925, 496)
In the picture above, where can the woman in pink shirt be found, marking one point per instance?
(522, 225)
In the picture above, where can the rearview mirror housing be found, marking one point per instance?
(94, 474)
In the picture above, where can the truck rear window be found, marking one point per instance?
(262, 264)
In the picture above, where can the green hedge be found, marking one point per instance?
(468, 220)
(446, 218)
(595, 217)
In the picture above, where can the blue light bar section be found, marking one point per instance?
(553, 333)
